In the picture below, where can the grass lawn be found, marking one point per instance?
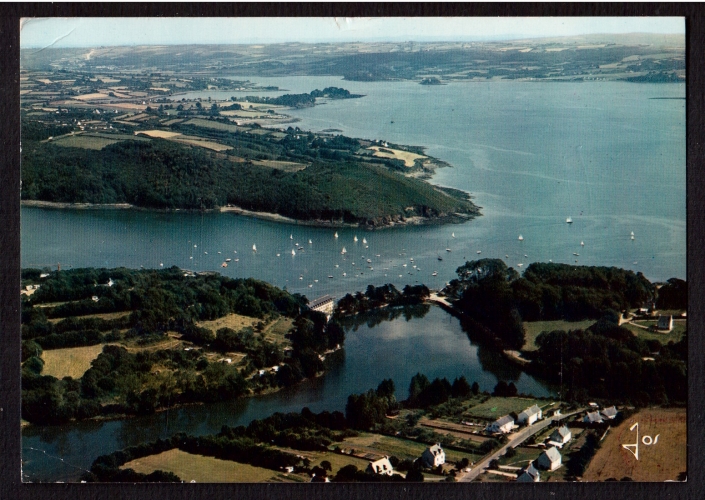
(660, 461)
(496, 407)
(71, 362)
(105, 316)
(522, 458)
(679, 328)
(534, 328)
(199, 468)
(276, 330)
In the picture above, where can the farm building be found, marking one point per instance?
(503, 425)
(610, 413)
(382, 466)
(593, 418)
(530, 415)
(434, 456)
(561, 435)
(529, 474)
(323, 304)
(549, 459)
(665, 324)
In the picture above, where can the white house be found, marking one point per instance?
(549, 459)
(434, 456)
(503, 425)
(610, 413)
(530, 415)
(593, 418)
(561, 435)
(665, 324)
(381, 466)
(528, 474)
(323, 304)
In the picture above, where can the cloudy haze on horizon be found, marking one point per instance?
(91, 32)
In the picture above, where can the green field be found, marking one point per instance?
(84, 142)
(496, 407)
(522, 458)
(199, 122)
(534, 328)
(201, 469)
(70, 362)
(398, 447)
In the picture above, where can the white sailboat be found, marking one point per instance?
(355, 238)
(293, 252)
(310, 242)
(569, 220)
(521, 238)
(582, 244)
(632, 235)
(452, 235)
(254, 248)
(291, 236)
(364, 241)
(343, 251)
(336, 234)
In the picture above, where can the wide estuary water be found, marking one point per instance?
(609, 155)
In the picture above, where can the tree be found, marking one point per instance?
(475, 388)
(415, 475)
(326, 465)
(418, 383)
(461, 388)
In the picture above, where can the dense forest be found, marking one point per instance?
(303, 100)
(336, 184)
(159, 305)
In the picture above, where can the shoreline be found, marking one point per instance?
(417, 220)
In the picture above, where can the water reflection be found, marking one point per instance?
(374, 318)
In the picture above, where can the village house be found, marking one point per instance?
(530, 415)
(529, 474)
(382, 466)
(610, 413)
(560, 436)
(593, 418)
(434, 456)
(503, 425)
(665, 324)
(549, 459)
(324, 305)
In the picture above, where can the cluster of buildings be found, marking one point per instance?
(432, 457)
(599, 417)
(505, 424)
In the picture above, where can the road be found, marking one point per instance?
(518, 438)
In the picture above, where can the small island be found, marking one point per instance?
(431, 80)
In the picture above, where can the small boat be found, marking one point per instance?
(377, 255)
(237, 260)
(330, 276)
(582, 244)
(196, 246)
(355, 238)
(403, 265)
(345, 274)
(369, 260)
(315, 281)
(343, 251)
(293, 252)
(228, 259)
(569, 220)
(278, 254)
(301, 277)
(434, 273)
(520, 264)
(161, 264)
(220, 252)
(335, 235)
(526, 256)
(205, 253)
(191, 257)
(337, 265)
(448, 250)
(452, 235)
(576, 254)
(310, 285)
(254, 248)
(479, 252)
(521, 238)
(310, 242)
(224, 264)
(291, 236)
(632, 235)
(364, 241)
(440, 258)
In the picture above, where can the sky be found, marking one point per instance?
(92, 32)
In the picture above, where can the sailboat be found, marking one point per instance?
(364, 241)
(293, 252)
(355, 238)
(632, 236)
(343, 251)
(336, 234)
(310, 242)
(582, 244)
(521, 238)
(291, 236)
(569, 220)
(254, 248)
(452, 235)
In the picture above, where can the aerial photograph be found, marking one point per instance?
(294, 250)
